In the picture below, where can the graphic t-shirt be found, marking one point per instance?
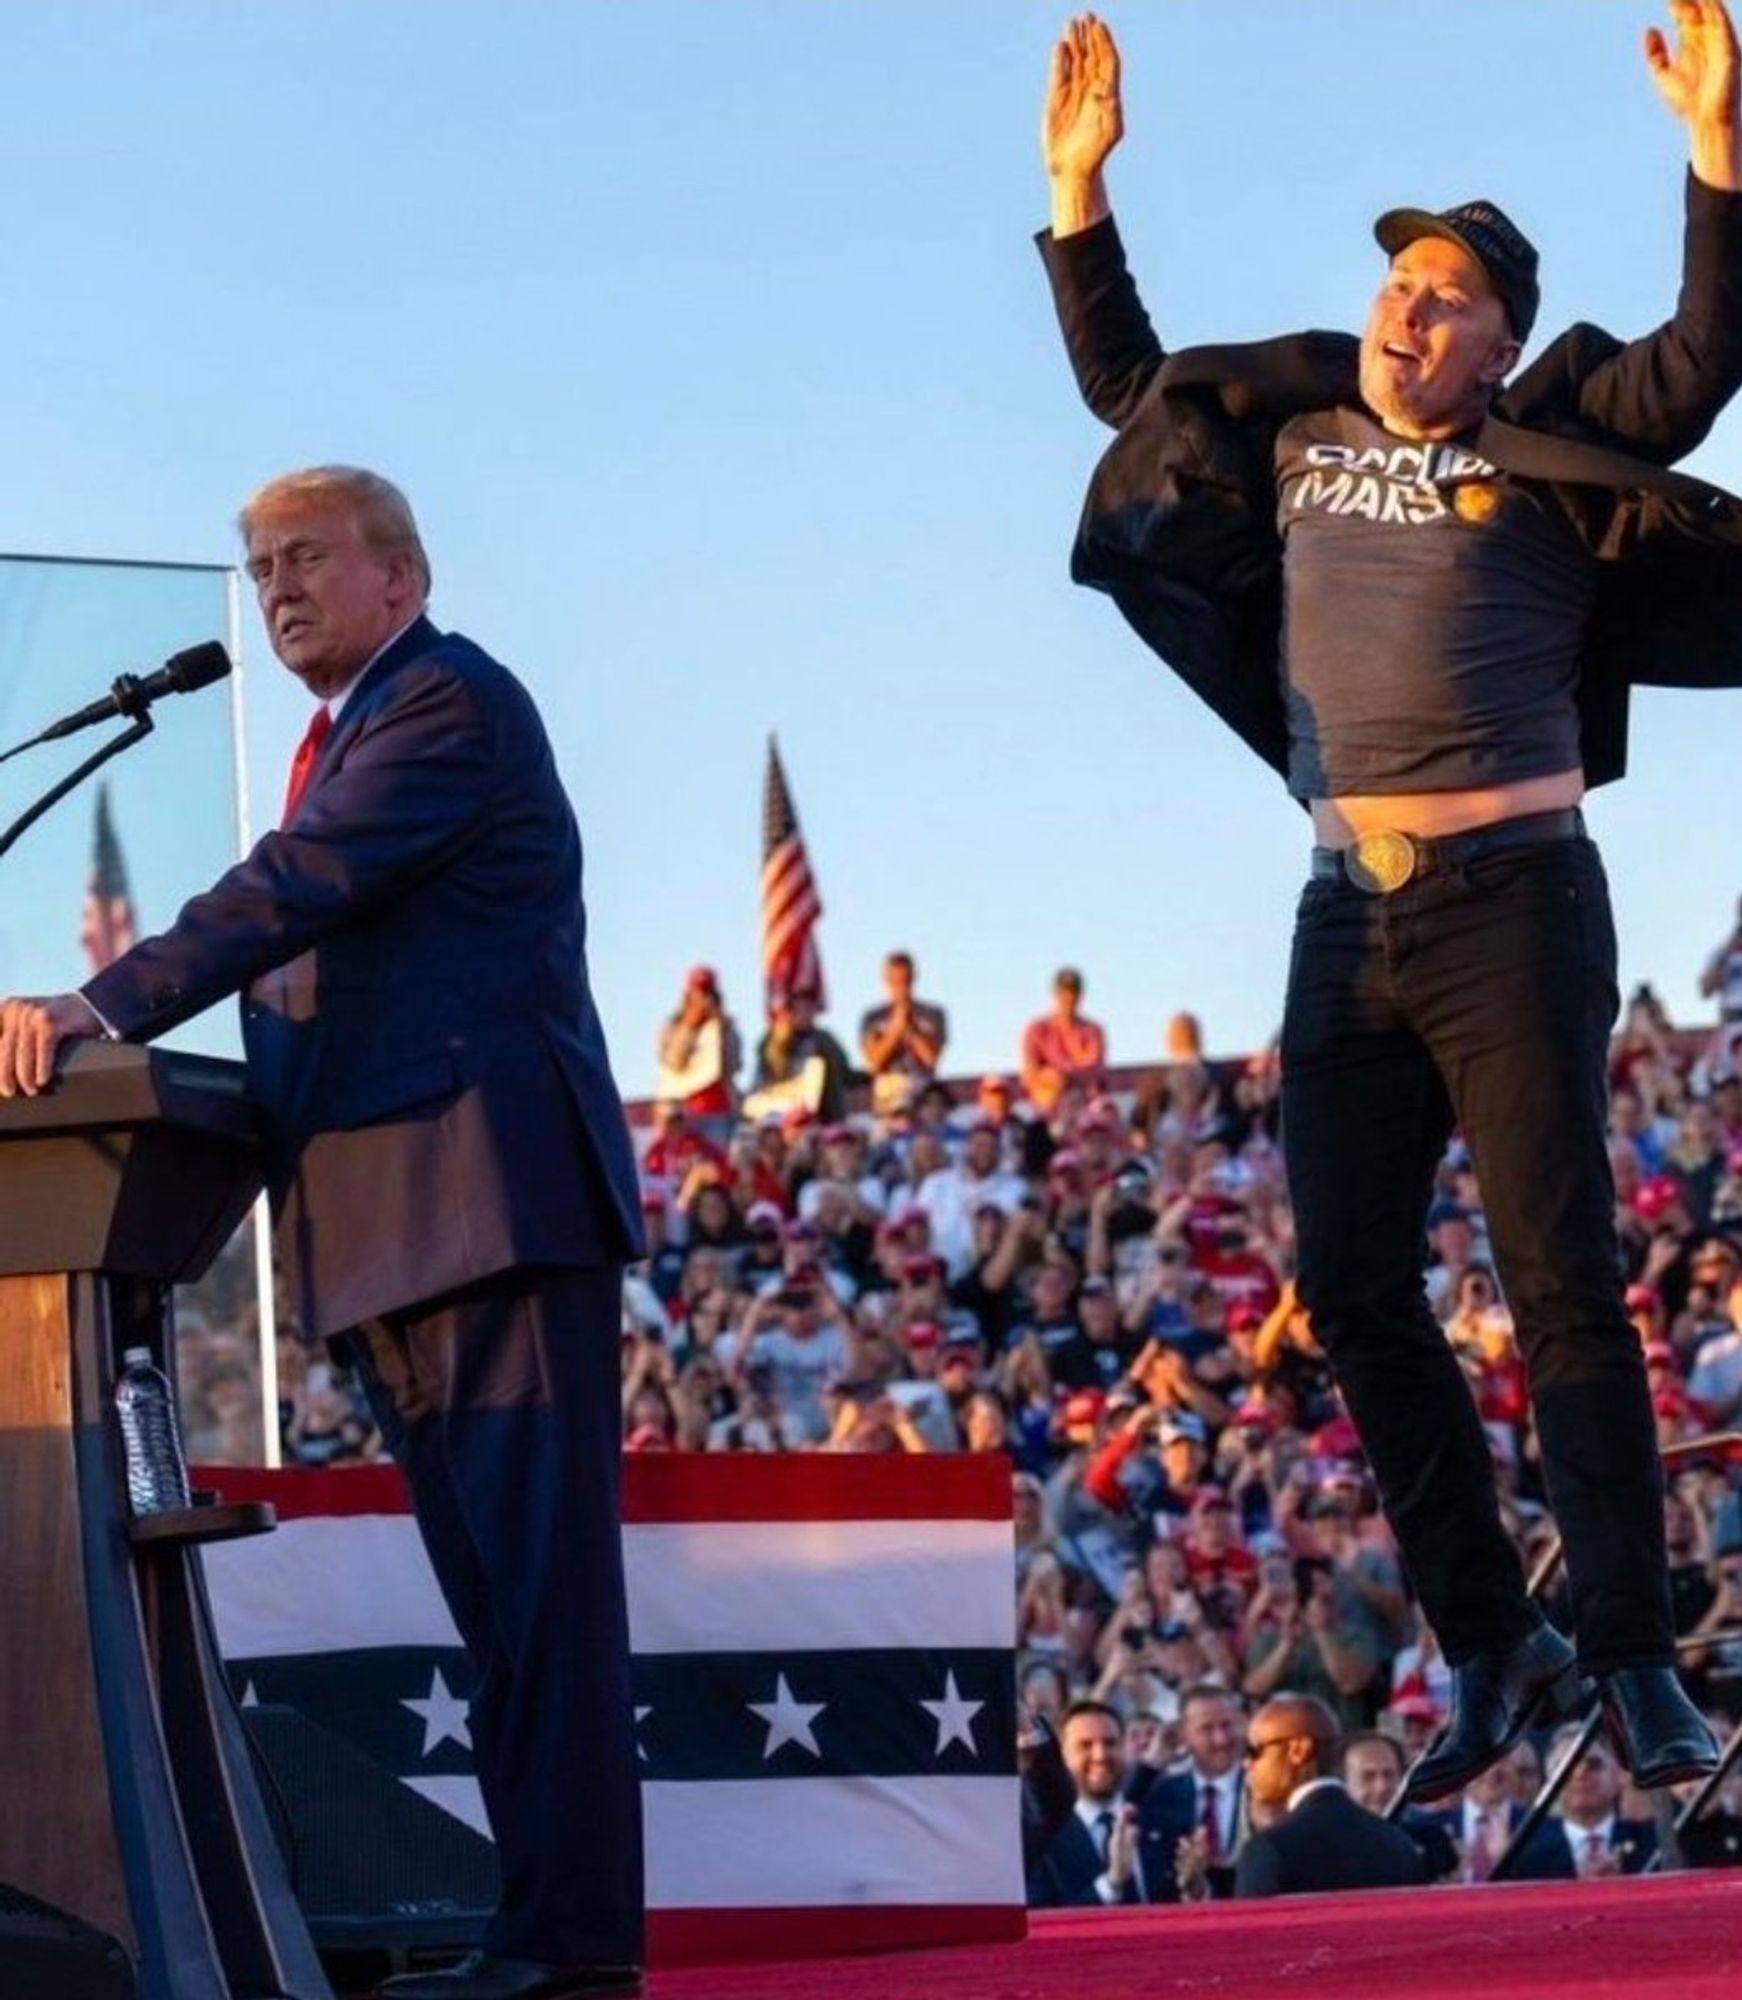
(1433, 612)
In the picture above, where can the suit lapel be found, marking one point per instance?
(417, 639)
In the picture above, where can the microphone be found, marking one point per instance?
(181, 673)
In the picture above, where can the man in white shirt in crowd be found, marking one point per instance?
(952, 1195)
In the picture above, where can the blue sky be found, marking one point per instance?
(710, 345)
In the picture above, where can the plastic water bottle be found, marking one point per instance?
(157, 1478)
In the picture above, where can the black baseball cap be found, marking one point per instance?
(1491, 237)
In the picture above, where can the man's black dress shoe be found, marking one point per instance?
(481, 1975)
(1495, 1699)
(1657, 1732)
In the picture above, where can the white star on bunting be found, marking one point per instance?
(954, 1717)
(444, 1715)
(789, 1720)
(642, 1711)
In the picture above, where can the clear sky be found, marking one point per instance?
(710, 345)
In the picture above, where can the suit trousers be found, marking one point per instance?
(1481, 994)
(501, 1404)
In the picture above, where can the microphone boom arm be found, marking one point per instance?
(140, 728)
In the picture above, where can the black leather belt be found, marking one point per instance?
(1383, 861)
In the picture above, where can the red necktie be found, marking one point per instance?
(320, 727)
(1212, 1826)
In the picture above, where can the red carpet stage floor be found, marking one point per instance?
(1672, 1937)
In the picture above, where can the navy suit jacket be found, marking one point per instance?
(419, 1028)
(1328, 1842)
(1171, 1810)
(1439, 1832)
(1548, 1855)
(1066, 1874)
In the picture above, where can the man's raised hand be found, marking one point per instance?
(1083, 121)
(1698, 79)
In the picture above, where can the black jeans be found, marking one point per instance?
(1482, 995)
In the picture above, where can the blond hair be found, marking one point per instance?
(382, 513)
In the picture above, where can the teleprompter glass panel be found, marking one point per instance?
(117, 858)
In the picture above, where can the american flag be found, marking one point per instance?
(824, 1687)
(790, 902)
(109, 928)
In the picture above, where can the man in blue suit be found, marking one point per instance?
(1587, 1835)
(453, 1183)
(1203, 1803)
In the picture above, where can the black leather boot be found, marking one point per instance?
(1496, 1697)
(1657, 1732)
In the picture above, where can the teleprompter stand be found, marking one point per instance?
(126, 1794)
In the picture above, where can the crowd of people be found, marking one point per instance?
(1088, 1270)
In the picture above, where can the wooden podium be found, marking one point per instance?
(126, 1792)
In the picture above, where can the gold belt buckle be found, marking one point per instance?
(1380, 862)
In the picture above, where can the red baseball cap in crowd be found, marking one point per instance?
(1655, 1197)
(1065, 1161)
(798, 1119)
(647, 1437)
(1643, 1299)
(1082, 1411)
(834, 1134)
(1337, 1439)
(1659, 1354)
(702, 979)
(1414, 1705)
(1245, 1317)
(1669, 1402)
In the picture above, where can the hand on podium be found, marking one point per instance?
(31, 1032)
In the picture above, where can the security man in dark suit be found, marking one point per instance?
(1323, 1840)
(450, 1171)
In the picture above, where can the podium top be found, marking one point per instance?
(115, 1086)
(139, 1163)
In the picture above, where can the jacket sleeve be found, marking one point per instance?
(1112, 346)
(1657, 396)
(409, 794)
